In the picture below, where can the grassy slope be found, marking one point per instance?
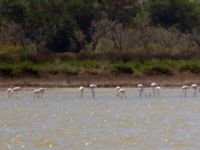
(75, 73)
(135, 68)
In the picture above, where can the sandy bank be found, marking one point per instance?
(100, 80)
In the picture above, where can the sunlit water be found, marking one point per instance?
(64, 121)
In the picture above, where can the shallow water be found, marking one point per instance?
(62, 120)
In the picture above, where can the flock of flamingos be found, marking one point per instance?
(120, 92)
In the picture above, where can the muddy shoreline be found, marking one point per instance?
(100, 80)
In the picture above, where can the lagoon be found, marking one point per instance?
(62, 120)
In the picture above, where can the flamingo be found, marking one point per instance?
(158, 90)
(121, 92)
(81, 89)
(194, 87)
(10, 92)
(16, 90)
(141, 90)
(39, 92)
(184, 89)
(92, 87)
(118, 94)
(153, 86)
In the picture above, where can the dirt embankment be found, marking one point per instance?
(100, 80)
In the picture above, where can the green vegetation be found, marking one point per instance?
(155, 26)
(192, 67)
(72, 67)
(118, 37)
(121, 68)
(14, 70)
(158, 70)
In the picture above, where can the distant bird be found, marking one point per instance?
(121, 92)
(92, 87)
(158, 90)
(141, 90)
(39, 93)
(117, 88)
(81, 89)
(118, 94)
(10, 92)
(16, 90)
(195, 88)
(153, 86)
(184, 90)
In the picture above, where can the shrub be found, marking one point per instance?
(121, 68)
(88, 64)
(190, 67)
(6, 70)
(70, 71)
(66, 56)
(158, 70)
(29, 69)
(19, 69)
(61, 69)
(10, 49)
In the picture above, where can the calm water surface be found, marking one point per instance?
(64, 121)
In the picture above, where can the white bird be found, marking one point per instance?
(92, 87)
(39, 92)
(121, 92)
(118, 87)
(16, 90)
(158, 90)
(81, 89)
(141, 90)
(153, 86)
(194, 87)
(184, 90)
(118, 94)
(10, 92)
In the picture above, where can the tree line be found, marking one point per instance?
(143, 27)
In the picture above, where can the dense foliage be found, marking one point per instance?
(142, 28)
(165, 68)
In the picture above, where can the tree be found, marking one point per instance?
(14, 10)
(183, 14)
(12, 33)
(120, 10)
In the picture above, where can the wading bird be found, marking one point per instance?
(16, 90)
(195, 88)
(141, 90)
(153, 86)
(39, 93)
(184, 90)
(158, 90)
(92, 87)
(10, 92)
(121, 92)
(118, 94)
(81, 89)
